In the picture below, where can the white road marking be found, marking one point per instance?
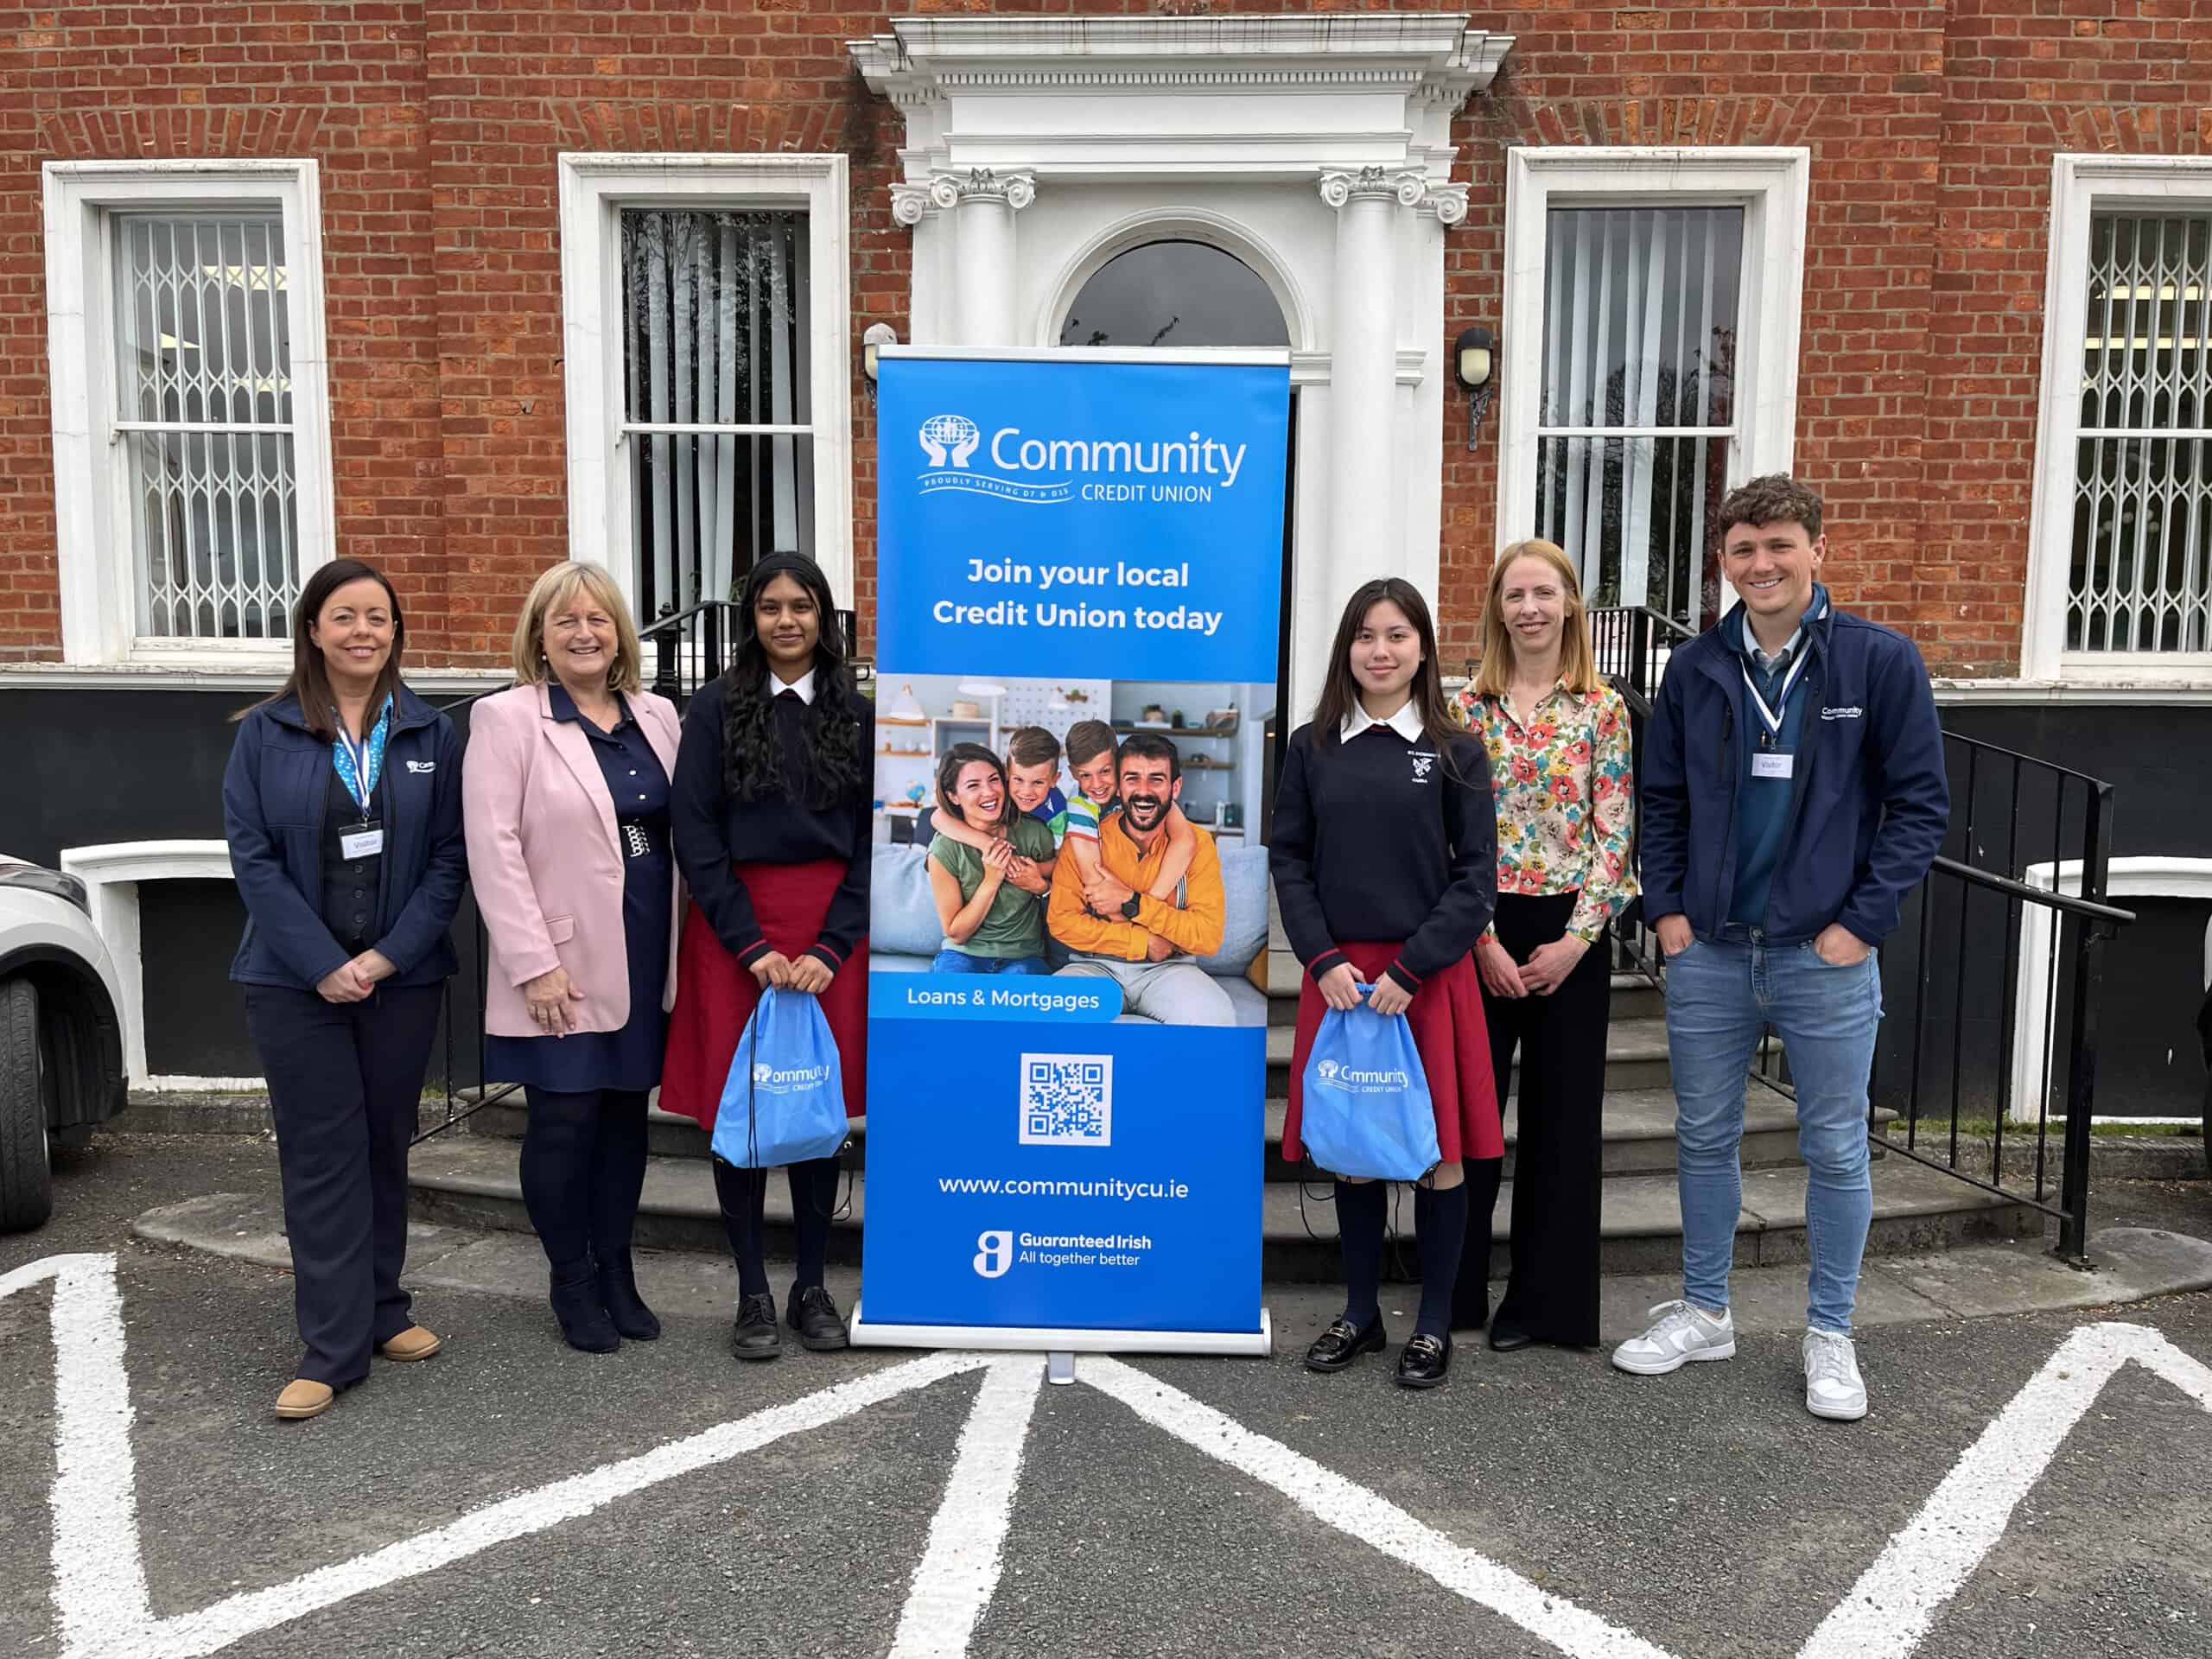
(1896, 1601)
(959, 1570)
(1351, 1509)
(104, 1612)
(100, 1588)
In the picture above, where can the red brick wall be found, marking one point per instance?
(436, 123)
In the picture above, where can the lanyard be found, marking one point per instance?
(1772, 718)
(359, 765)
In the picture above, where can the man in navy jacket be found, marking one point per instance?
(1794, 792)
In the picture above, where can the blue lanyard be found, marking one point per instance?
(359, 770)
(1773, 717)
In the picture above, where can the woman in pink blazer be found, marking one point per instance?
(566, 791)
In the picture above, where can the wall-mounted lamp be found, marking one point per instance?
(1473, 364)
(873, 341)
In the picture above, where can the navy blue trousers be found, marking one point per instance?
(345, 1085)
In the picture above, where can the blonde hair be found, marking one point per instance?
(1577, 663)
(554, 589)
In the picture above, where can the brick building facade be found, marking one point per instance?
(1901, 358)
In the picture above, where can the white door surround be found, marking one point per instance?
(1317, 150)
(2137, 877)
(112, 874)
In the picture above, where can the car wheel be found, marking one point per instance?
(26, 1177)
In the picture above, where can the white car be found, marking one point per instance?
(60, 1033)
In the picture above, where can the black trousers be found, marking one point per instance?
(1552, 1294)
(584, 1165)
(345, 1085)
(743, 1195)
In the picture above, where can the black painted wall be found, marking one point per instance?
(195, 1018)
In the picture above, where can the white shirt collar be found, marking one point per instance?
(804, 685)
(1406, 722)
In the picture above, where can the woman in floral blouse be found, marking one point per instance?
(1562, 777)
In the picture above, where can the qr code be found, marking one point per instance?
(1067, 1100)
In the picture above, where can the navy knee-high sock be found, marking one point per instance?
(1361, 1209)
(1440, 1219)
(743, 1195)
(814, 1199)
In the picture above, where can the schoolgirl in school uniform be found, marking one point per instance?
(1384, 859)
(770, 811)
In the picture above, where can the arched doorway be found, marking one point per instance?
(1176, 293)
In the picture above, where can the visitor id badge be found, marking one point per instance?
(1769, 764)
(361, 843)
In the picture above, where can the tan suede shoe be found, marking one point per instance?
(302, 1399)
(412, 1343)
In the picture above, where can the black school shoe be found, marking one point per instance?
(1508, 1339)
(755, 1336)
(1343, 1342)
(1425, 1362)
(814, 1315)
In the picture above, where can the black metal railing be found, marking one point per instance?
(684, 650)
(2008, 925)
(1632, 644)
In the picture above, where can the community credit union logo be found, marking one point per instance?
(1357, 1080)
(953, 436)
(781, 1080)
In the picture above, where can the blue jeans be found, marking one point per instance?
(1720, 993)
(949, 961)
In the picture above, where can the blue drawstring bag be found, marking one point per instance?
(784, 1102)
(1367, 1110)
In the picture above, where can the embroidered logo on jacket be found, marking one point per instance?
(421, 767)
(1850, 711)
(1422, 764)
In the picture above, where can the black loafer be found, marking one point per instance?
(814, 1315)
(1343, 1342)
(1509, 1338)
(1425, 1362)
(755, 1336)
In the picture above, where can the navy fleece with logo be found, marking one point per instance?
(1867, 801)
(276, 792)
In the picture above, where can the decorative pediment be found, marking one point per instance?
(1164, 97)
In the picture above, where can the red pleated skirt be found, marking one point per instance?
(714, 997)
(1449, 1030)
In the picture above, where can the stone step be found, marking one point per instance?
(472, 1181)
(1638, 1134)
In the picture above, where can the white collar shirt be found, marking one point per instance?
(803, 686)
(1406, 722)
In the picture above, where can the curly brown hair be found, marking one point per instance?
(1777, 498)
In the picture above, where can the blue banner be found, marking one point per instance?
(1066, 1056)
(1051, 517)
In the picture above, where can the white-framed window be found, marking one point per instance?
(1650, 356)
(2120, 563)
(193, 489)
(705, 310)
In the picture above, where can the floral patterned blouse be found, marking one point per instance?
(1565, 785)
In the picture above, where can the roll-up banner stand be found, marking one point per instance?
(1066, 1084)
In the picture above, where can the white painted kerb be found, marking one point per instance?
(2153, 876)
(112, 874)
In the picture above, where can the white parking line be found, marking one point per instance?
(1893, 1605)
(104, 1610)
(959, 1572)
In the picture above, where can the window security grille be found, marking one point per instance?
(2141, 577)
(717, 417)
(204, 386)
(1638, 408)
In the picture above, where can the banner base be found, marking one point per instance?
(1034, 1339)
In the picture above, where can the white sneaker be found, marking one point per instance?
(1833, 1387)
(1683, 1334)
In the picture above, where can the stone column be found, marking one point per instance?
(982, 204)
(1363, 371)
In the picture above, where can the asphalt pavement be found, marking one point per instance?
(1701, 1514)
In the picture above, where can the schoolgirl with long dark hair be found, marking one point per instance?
(770, 810)
(1384, 857)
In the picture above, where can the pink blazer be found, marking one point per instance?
(545, 857)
